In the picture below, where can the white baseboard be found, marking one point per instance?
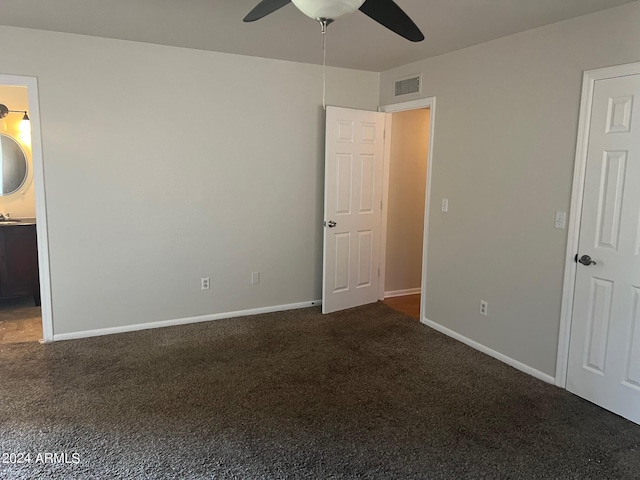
(184, 321)
(492, 353)
(400, 293)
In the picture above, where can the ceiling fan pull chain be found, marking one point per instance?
(324, 24)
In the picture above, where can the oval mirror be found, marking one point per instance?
(13, 165)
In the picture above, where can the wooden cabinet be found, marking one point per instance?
(19, 262)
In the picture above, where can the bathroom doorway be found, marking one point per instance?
(25, 313)
(406, 187)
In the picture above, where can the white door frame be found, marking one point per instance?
(41, 208)
(429, 103)
(575, 215)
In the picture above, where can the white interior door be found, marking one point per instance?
(604, 351)
(352, 207)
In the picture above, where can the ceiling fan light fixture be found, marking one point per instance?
(327, 9)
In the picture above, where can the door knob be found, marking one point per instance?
(330, 224)
(586, 260)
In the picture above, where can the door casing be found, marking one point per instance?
(575, 213)
(41, 208)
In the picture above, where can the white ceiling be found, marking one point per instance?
(354, 41)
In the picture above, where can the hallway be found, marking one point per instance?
(407, 304)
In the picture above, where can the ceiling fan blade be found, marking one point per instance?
(390, 15)
(264, 8)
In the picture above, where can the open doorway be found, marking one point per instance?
(406, 179)
(20, 312)
(355, 239)
(25, 300)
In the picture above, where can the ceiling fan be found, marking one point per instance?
(385, 12)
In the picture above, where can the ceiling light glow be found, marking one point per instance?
(327, 9)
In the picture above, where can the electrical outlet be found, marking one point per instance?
(561, 218)
(445, 205)
(484, 307)
(255, 278)
(204, 283)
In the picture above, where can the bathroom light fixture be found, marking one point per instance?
(25, 125)
(4, 111)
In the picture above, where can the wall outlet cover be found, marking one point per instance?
(484, 307)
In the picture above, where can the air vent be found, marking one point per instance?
(405, 86)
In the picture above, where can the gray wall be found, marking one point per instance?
(504, 146)
(407, 187)
(164, 165)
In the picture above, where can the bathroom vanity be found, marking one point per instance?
(19, 260)
(18, 244)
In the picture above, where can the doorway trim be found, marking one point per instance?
(41, 208)
(575, 213)
(430, 103)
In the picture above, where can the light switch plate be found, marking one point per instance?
(445, 205)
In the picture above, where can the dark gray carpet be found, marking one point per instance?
(367, 393)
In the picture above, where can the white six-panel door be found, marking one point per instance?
(604, 351)
(352, 207)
